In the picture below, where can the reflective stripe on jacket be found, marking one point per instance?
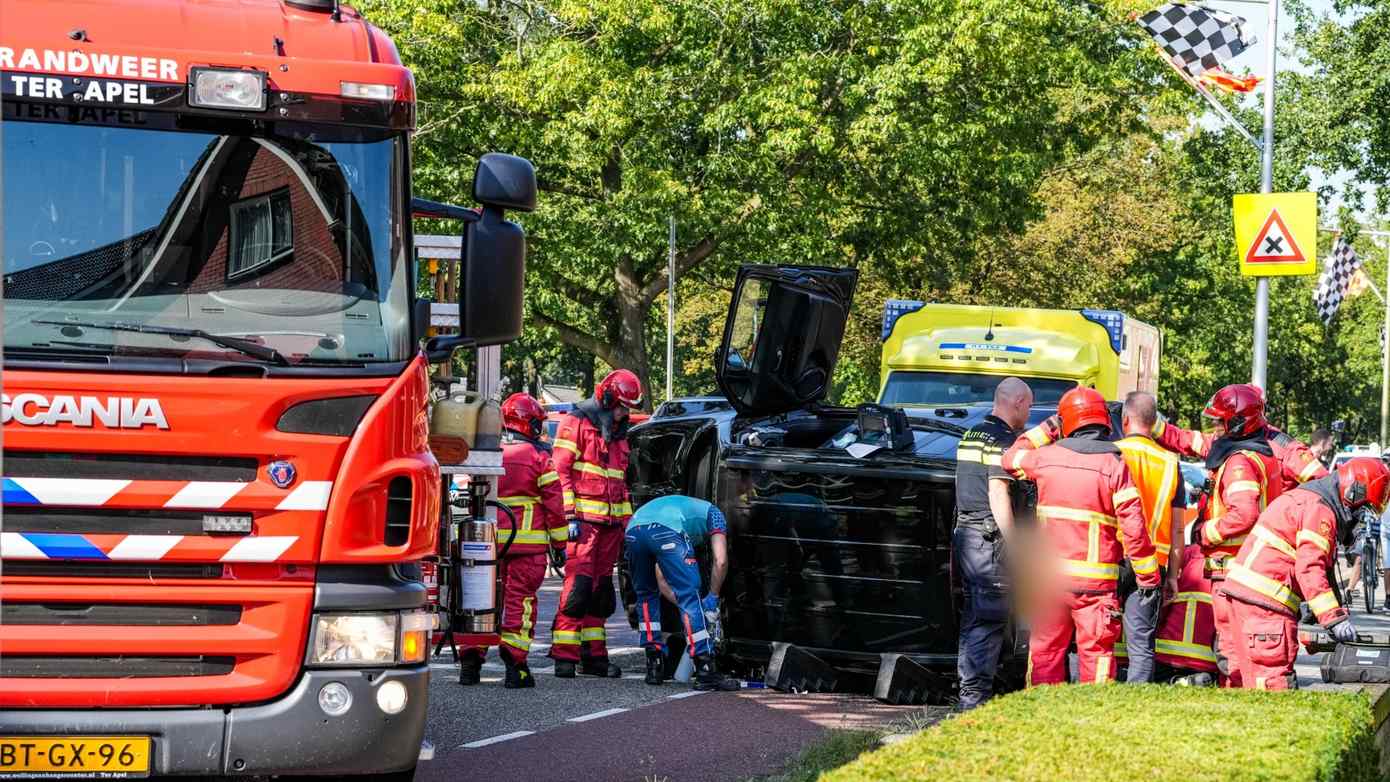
(1187, 627)
(1086, 499)
(1297, 464)
(592, 472)
(1246, 482)
(1285, 559)
(531, 489)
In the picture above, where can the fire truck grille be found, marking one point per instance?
(112, 667)
(104, 521)
(134, 570)
(114, 614)
(118, 466)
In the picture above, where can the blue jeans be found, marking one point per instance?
(652, 545)
(979, 559)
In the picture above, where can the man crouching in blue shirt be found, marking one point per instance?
(661, 540)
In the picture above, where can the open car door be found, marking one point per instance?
(782, 336)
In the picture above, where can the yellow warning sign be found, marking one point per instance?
(1276, 233)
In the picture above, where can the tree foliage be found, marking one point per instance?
(773, 131)
(984, 151)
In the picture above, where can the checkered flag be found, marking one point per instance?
(1342, 277)
(1196, 38)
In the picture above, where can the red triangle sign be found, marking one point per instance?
(1274, 243)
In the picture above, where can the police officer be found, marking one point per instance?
(984, 520)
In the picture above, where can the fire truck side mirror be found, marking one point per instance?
(490, 285)
(494, 251)
(493, 261)
(506, 182)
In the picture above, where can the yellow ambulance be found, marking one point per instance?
(955, 354)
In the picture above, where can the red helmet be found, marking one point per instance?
(1364, 480)
(521, 413)
(620, 388)
(1239, 407)
(1082, 407)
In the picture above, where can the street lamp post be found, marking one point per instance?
(1260, 364)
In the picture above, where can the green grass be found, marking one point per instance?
(1129, 733)
(835, 750)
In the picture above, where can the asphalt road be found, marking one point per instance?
(624, 729)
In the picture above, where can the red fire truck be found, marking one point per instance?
(217, 486)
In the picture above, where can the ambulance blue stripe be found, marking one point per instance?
(59, 546)
(1004, 348)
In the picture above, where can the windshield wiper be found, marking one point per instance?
(245, 346)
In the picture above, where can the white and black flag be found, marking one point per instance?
(1342, 277)
(1198, 39)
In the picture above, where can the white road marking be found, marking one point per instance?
(596, 715)
(497, 739)
(680, 695)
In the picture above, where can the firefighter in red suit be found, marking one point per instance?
(1186, 629)
(530, 488)
(1286, 559)
(1252, 463)
(1091, 517)
(591, 458)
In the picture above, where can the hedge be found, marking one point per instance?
(1138, 733)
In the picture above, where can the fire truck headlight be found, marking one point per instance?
(216, 88)
(354, 639)
(415, 636)
(335, 699)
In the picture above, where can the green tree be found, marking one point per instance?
(838, 132)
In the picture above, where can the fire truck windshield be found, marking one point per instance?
(119, 241)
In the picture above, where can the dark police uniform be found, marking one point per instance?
(977, 548)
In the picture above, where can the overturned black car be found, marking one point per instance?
(840, 519)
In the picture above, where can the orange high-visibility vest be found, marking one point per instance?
(1157, 477)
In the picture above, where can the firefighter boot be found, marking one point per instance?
(1202, 679)
(518, 675)
(656, 666)
(470, 668)
(564, 669)
(598, 666)
(707, 677)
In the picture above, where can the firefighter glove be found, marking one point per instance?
(1343, 631)
(1053, 426)
(557, 558)
(711, 607)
